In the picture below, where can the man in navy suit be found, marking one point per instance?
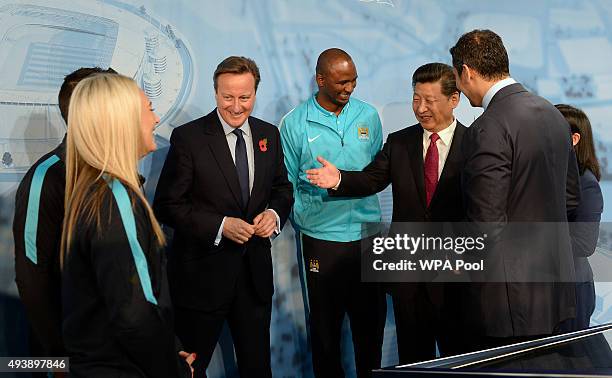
(224, 190)
(519, 167)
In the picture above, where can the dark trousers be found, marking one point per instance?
(37, 350)
(249, 323)
(334, 285)
(427, 314)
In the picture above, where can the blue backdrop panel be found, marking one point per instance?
(559, 49)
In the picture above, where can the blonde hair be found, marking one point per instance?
(104, 143)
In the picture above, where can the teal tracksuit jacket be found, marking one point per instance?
(349, 141)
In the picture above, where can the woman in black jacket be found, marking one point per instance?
(117, 311)
(584, 220)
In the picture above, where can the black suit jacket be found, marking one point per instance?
(198, 186)
(519, 165)
(110, 328)
(400, 163)
(40, 284)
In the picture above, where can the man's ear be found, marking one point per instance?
(454, 99)
(320, 79)
(467, 72)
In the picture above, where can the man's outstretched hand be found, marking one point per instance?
(326, 177)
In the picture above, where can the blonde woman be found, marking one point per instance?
(117, 312)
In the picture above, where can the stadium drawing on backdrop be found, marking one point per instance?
(42, 42)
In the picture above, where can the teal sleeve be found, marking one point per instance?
(291, 150)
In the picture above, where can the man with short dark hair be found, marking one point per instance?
(224, 191)
(423, 163)
(237, 65)
(519, 167)
(332, 123)
(37, 231)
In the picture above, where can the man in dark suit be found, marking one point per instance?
(423, 163)
(224, 190)
(519, 167)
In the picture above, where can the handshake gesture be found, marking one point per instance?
(326, 177)
(240, 231)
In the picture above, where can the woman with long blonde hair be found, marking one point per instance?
(117, 312)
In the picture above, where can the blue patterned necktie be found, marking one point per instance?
(242, 166)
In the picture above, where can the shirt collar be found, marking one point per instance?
(494, 89)
(445, 135)
(317, 110)
(227, 129)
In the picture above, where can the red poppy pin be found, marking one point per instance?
(263, 145)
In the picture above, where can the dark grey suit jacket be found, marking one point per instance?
(520, 167)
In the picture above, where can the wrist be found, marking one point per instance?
(335, 187)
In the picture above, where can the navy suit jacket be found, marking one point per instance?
(584, 226)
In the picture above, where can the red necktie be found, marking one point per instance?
(431, 167)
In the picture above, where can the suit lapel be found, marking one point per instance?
(415, 150)
(222, 155)
(259, 157)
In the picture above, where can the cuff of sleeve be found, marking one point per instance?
(277, 229)
(339, 181)
(219, 233)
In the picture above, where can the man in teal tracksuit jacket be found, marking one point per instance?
(347, 131)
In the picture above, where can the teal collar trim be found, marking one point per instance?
(127, 216)
(318, 114)
(31, 223)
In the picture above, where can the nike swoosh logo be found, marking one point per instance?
(310, 140)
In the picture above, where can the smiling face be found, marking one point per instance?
(432, 108)
(148, 120)
(337, 84)
(235, 97)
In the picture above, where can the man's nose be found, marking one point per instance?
(422, 108)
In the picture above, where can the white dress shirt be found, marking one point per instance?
(231, 144)
(494, 89)
(443, 144)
